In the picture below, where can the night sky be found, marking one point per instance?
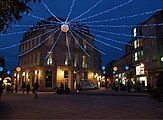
(61, 8)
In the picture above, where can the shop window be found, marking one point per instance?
(65, 74)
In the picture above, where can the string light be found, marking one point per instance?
(88, 42)
(125, 26)
(79, 44)
(120, 34)
(101, 41)
(50, 11)
(53, 45)
(106, 11)
(68, 46)
(112, 40)
(72, 5)
(124, 17)
(8, 47)
(22, 32)
(39, 18)
(37, 45)
(87, 10)
(32, 25)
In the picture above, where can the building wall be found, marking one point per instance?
(35, 63)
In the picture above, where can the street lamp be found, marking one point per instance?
(161, 59)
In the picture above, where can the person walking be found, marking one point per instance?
(16, 88)
(35, 89)
(23, 86)
(2, 87)
(28, 88)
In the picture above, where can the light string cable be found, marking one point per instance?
(120, 34)
(72, 5)
(79, 44)
(124, 17)
(115, 47)
(22, 32)
(87, 11)
(68, 46)
(53, 45)
(38, 44)
(88, 42)
(30, 25)
(50, 11)
(124, 26)
(106, 11)
(39, 18)
(8, 47)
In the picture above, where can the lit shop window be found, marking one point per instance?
(135, 32)
(50, 60)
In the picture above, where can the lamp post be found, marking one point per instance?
(18, 69)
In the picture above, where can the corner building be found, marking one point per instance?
(50, 68)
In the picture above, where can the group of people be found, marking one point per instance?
(25, 87)
(62, 89)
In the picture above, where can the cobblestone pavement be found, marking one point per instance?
(51, 106)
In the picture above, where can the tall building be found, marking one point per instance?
(68, 62)
(144, 57)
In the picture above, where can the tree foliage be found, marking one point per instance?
(10, 11)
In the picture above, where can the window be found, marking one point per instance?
(136, 56)
(65, 74)
(84, 64)
(135, 32)
(76, 61)
(50, 60)
(137, 43)
(67, 58)
(84, 45)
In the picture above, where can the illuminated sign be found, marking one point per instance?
(140, 69)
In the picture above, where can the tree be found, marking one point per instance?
(10, 11)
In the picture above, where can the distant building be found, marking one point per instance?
(144, 57)
(59, 66)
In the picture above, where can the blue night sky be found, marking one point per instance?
(61, 8)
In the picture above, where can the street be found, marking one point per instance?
(51, 106)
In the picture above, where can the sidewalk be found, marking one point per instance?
(107, 92)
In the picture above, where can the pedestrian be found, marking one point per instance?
(61, 87)
(35, 89)
(154, 86)
(23, 86)
(16, 88)
(160, 86)
(2, 87)
(149, 89)
(28, 88)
